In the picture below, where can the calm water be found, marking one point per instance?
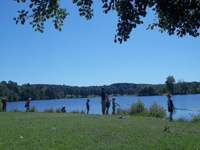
(180, 101)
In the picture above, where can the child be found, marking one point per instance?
(88, 106)
(4, 104)
(113, 105)
(63, 109)
(170, 105)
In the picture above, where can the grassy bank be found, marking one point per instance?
(20, 130)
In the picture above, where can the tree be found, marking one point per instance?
(193, 88)
(146, 90)
(182, 87)
(170, 83)
(173, 16)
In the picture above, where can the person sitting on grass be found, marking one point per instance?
(170, 106)
(113, 105)
(63, 109)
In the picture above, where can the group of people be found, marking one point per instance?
(27, 105)
(105, 104)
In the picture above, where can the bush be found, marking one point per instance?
(50, 110)
(15, 110)
(78, 112)
(157, 111)
(181, 119)
(195, 118)
(33, 109)
(58, 110)
(138, 108)
(121, 111)
(1, 107)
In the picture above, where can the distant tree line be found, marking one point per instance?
(14, 92)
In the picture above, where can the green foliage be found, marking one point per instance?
(33, 109)
(157, 111)
(15, 110)
(120, 111)
(193, 88)
(1, 105)
(170, 84)
(58, 110)
(1, 108)
(181, 87)
(14, 92)
(41, 11)
(50, 110)
(195, 118)
(175, 17)
(181, 119)
(146, 91)
(78, 112)
(138, 108)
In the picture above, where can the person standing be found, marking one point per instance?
(107, 102)
(28, 105)
(114, 104)
(88, 106)
(4, 104)
(170, 105)
(103, 101)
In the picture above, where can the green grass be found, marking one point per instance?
(45, 131)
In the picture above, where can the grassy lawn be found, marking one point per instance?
(33, 130)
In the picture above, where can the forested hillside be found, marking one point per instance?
(14, 92)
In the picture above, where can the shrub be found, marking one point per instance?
(33, 109)
(50, 110)
(195, 118)
(1, 107)
(78, 111)
(58, 110)
(157, 111)
(138, 108)
(15, 110)
(181, 119)
(121, 111)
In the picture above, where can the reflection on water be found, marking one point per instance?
(180, 101)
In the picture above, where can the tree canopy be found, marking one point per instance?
(14, 92)
(170, 83)
(178, 17)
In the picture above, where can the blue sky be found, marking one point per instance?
(84, 53)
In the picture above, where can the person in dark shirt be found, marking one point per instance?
(170, 106)
(88, 106)
(63, 109)
(103, 101)
(28, 105)
(4, 104)
(107, 103)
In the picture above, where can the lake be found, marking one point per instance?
(191, 102)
